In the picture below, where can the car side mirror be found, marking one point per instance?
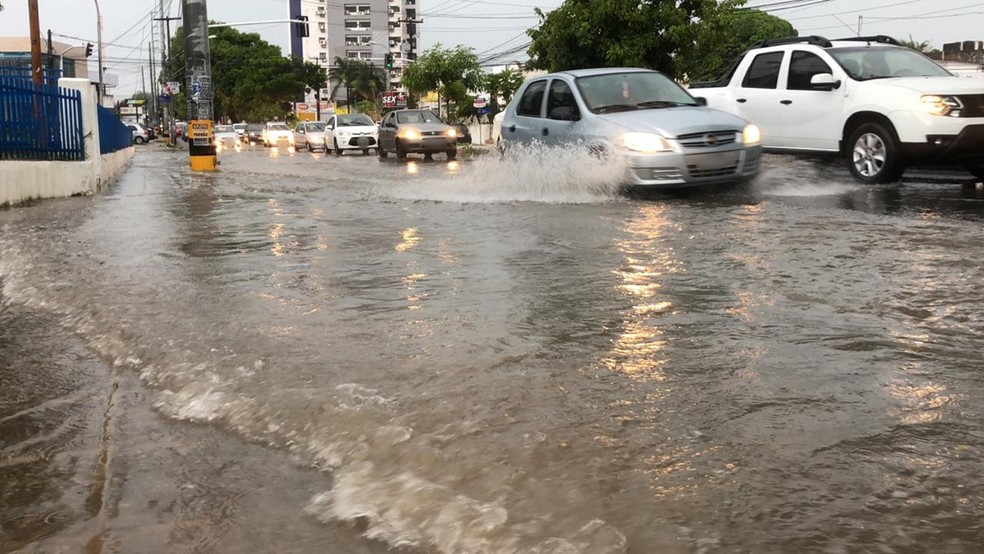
(701, 101)
(824, 81)
(564, 113)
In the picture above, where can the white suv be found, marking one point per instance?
(879, 104)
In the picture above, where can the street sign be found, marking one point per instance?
(171, 88)
(484, 111)
(200, 132)
(480, 102)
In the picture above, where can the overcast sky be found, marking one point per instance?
(487, 26)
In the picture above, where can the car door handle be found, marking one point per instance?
(544, 131)
(785, 102)
(511, 128)
(742, 100)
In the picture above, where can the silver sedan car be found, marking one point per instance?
(417, 131)
(310, 135)
(665, 136)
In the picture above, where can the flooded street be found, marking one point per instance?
(304, 353)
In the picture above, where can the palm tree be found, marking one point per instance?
(923, 46)
(364, 80)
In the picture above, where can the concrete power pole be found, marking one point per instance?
(36, 70)
(198, 86)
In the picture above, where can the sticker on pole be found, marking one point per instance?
(200, 132)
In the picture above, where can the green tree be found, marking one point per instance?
(743, 27)
(925, 46)
(363, 81)
(451, 72)
(251, 80)
(668, 35)
(502, 86)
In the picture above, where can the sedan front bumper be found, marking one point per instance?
(693, 168)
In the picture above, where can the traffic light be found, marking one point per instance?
(302, 26)
(88, 49)
(388, 61)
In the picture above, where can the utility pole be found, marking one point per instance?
(166, 70)
(36, 71)
(100, 89)
(51, 52)
(153, 89)
(198, 86)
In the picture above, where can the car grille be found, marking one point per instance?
(707, 139)
(362, 141)
(719, 172)
(973, 105)
(431, 133)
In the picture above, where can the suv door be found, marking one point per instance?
(811, 118)
(527, 126)
(757, 96)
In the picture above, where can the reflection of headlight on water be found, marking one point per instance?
(412, 168)
(453, 166)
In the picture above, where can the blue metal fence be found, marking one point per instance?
(39, 122)
(113, 134)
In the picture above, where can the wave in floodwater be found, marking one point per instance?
(351, 431)
(534, 174)
(790, 176)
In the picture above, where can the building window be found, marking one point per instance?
(356, 9)
(323, 56)
(321, 26)
(356, 25)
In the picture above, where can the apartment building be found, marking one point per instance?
(357, 29)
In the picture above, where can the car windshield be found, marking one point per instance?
(278, 127)
(224, 129)
(238, 126)
(417, 116)
(636, 90)
(354, 120)
(254, 127)
(863, 63)
(316, 127)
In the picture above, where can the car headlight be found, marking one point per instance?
(452, 133)
(411, 134)
(941, 105)
(645, 142)
(751, 135)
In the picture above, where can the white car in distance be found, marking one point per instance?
(276, 131)
(351, 132)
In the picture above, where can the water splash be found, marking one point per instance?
(536, 173)
(785, 175)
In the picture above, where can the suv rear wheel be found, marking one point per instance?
(873, 155)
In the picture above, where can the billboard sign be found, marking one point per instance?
(394, 99)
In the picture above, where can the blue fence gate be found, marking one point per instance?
(39, 122)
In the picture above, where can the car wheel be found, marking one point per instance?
(138, 140)
(380, 152)
(365, 151)
(977, 169)
(452, 154)
(874, 155)
(310, 147)
(401, 153)
(338, 151)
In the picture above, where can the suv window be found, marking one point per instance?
(803, 66)
(764, 71)
(532, 101)
(560, 96)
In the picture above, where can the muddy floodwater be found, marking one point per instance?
(306, 353)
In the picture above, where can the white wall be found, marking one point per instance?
(21, 181)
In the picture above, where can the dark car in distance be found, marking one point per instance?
(254, 133)
(464, 135)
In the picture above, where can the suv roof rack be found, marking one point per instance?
(884, 39)
(812, 39)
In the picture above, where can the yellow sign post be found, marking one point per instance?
(201, 145)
